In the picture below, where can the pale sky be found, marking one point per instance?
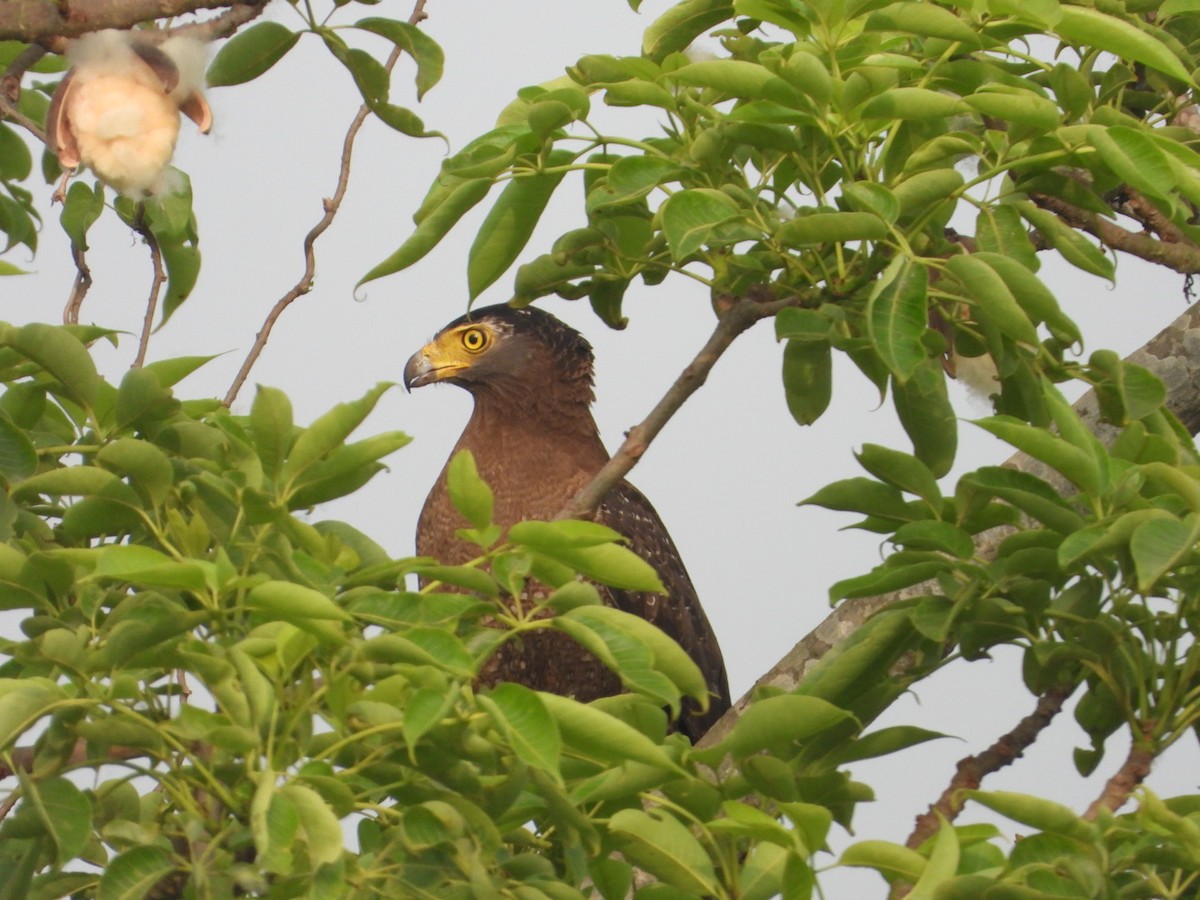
(727, 472)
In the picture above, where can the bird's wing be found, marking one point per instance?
(679, 613)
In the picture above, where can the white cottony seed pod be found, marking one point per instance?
(117, 109)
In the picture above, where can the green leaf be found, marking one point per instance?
(630, 178)
(931, 535)
(807, 379)
(16, 162)
(271, 427)
(739, 79)
(1159, 544)
(669, 657)
(901, 470)
(425, 708)
(592, 734)
(322, 830)
(142, 401)
(921, 191)
(610, 564)
(690, 217)
(18, 456)
(80, 211)
(450, 206)
(147, 566)
(664, 847)
(1037, 812)
(170, 372)
(779, 723)
(992, 302)
(942, 865)
(133, 874)
(369, 74)
(898, 317)
(510, 222)
(891, 861)
(64, 810)
(182, 261)
(888, 740)
(23, 702)
(421, 47)
(403, 120)
(1074, 247)
(469, 493)
(528, 727)
(924, 19)
(832, 227)
(925, 411)
(912, 103)
(61, 354)
(78, 481)
(999, 230)
(1082, 25)
(329, 431)
(1021, 107)
(250, 53)
(1074, 463)
(1038, 302)
(294, 603)
(681, 24)
(861, 495)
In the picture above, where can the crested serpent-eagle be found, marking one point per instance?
(536, 444)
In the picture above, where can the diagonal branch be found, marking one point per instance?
(738, 315)
(332, 206)
(156, 283)
(972, 770)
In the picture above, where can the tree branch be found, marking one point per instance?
(332, 205)
(1132, 773)
(972, 770)
(39, 21)
(83, 281)
(1182, 257)
(156, 284)
(23, 758)
(738, 315)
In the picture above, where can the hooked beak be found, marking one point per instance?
(418, 371)
(422, 369)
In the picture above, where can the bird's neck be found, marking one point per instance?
(541, 441)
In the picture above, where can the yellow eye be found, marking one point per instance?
(474, 339)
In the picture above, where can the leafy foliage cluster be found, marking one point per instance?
(244, 683)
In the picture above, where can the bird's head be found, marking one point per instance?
(502, 350)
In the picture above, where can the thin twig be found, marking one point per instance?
(972, 770)
(9, 802)
(83, 281)
(219, 26)
(737, 317)
(23, 757)
(156, 284)
(332, 205)
(11, 113)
